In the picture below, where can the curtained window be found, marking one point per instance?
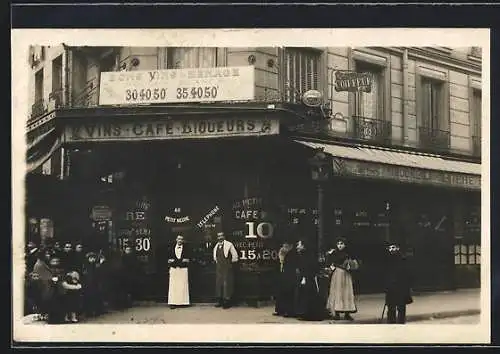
(191, 57)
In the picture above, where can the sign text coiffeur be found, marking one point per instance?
(170, 129)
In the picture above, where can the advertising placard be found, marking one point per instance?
(217, 84)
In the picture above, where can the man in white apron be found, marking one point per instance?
(178, 287)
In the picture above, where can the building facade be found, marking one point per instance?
(129, 164)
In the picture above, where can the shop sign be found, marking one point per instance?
(352, 81)
(406, 174)
(254, 235)
(177, 85)
(170, 129)
(101, 213)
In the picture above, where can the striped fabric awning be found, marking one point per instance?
(399, 158)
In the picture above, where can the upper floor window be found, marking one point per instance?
(301, 70)
(433, 109)
(432, 92)
(191, 57)
(57, 74)
(370, 104)
(39, 85)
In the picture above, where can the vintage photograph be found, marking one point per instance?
(280, 184)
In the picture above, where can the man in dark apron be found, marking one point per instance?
(225, 255)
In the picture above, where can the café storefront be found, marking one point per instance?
(141, 174)
(187, 174)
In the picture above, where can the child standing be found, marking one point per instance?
(71, 298)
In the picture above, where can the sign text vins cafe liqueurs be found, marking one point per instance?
(177, 85)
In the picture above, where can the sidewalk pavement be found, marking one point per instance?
(425, 306)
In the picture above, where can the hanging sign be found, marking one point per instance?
(177, 85)
(353, 81)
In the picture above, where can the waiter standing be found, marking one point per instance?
(224, 256)
(178, 286)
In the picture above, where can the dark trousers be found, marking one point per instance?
(400, 317)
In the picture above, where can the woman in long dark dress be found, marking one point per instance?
(308, 298)
(287, 281)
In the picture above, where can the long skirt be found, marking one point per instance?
(341, 297)
(178, 287)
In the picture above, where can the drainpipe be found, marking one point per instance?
(404, 122)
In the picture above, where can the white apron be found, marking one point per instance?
(178, 286)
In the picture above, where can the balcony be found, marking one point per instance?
(476, 146)
(434, 139)
(38, 108)
(374, 130)
(88, 96)
(56, 98)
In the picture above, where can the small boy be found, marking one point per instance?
(71, 298)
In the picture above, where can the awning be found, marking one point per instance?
(398, 166)
(42, 151)
(397, 158)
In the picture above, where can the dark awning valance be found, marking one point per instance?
(41, 151)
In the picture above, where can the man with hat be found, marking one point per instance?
(225, 255)
(397, 285)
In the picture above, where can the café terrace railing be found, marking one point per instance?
(434, 139)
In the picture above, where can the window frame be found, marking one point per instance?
(464, 252)
(381, 61)
(321, 75)
(421, 74)
(475, 122)
(220, 56)
(39, 73)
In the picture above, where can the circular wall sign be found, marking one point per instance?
(312, 98)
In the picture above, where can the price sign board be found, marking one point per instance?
(234, 83)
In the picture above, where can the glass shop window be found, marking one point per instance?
(467, 254)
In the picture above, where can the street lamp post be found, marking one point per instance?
(320, 173)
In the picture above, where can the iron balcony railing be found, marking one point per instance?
(56, 96)
(476, 146)
(88, 96)
(434, 139)
(375, 130)
(38, 108)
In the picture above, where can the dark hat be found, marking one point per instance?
(91, 254)
(341, 239)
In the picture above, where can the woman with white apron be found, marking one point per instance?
(178, 287)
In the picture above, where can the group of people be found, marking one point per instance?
(65, 281)
(299, 292)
